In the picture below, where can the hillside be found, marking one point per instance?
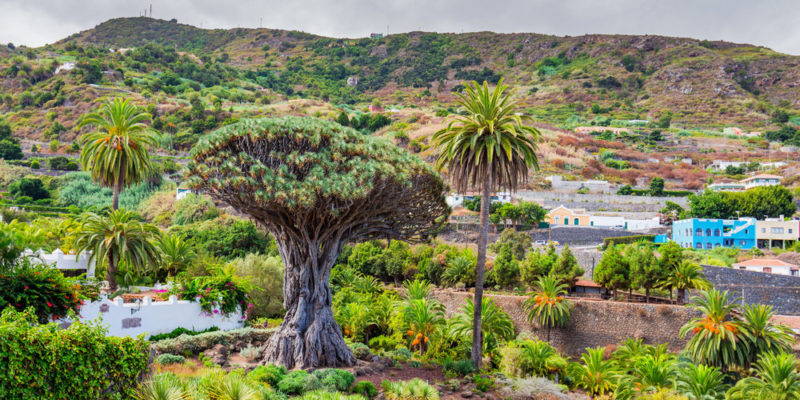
(682, 92)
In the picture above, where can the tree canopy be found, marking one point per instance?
(770, 201)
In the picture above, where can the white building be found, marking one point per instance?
(557, 183)
(624, 223)
(456, 199)
(722, 164)
(62, 261)
(769, 265)
(761, 180)
(181, 193)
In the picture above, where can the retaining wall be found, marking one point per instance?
(782, 292)
(596, 201)
(594, 323)
(151, 318)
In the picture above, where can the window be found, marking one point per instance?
(716, 245)
(795, 272)
(698, 245)
(698, 232)
(767, 269)
(790, 231)
(708, 245)
(742, 242)
(776, 230)
(577, 222)
(708, 232)
(716, 232)
(566, 221)
(687, 233)
(763, 230)
(591, 223)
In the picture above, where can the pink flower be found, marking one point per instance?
(49, 304)
(216, 311)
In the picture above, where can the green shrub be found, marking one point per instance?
(366, 389)
(628, 239)
(325, 395)
(269, 374)
(33, 188)
(45, 290)
(165, 359)
(222, 293)
(293, 383)
(180, 331)
(266, 274)
(204, 341)
(41, 361)
(332, 379)
(360, 350)
(194, 208)
(415, 389)
(458, 368)
(484, 383)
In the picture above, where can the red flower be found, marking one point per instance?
(49, 304)
(26, 288)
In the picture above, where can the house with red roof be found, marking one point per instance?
(769, 265)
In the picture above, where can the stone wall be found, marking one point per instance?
(782, 292)
(599, 202)
(594, 323)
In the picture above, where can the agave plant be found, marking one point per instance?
(417, 289)
(716, 340)
(761, 334)
(700, 382)
(778, 379)
(415, 389)
(162, 387)
(496, 324)
(596, 375)
(547, 305)
(422, 316)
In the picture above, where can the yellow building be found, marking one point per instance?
(564, 216)
(776, 232)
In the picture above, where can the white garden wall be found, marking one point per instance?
(151, 318)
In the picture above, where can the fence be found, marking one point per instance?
(154, 317)
(62, 261)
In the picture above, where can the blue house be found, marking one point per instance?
(704, 233)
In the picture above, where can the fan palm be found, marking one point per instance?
(547, 305)
(496, 324)
(487, 147)
(686, 275)
(761, 334)
(117, 153)
(700, 382)
(596, 375)
(778, 379)
(716, 334)
(117, 237)
(176, 252)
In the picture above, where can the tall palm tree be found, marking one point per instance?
(176, 252)
(118, 237)
(596, 375)
(496, 324)
(778, 379)
(547, 305)
(716, 339)
(490, 148)
(686, 275)
(117, 153)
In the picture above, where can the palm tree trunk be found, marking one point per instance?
(681, 295)
(548, 333)
(647, 295)
(111, 273)
(477, 345)
(118, 186)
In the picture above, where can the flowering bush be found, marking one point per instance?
(45, 289)
(222, 292)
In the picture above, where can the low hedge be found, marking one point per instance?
(628, 239)
(204, 341)
(180, 331)
(80, 362)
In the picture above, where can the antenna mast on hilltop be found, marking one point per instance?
(151, 10)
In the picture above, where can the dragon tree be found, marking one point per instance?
(316, 185)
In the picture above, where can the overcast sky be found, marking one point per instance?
(771, 23)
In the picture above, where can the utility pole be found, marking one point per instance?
(151, 10)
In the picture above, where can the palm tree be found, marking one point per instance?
(716, 339)
(117, 154)
(778, 379)
(422, 316)
(417, 289)
(496, 324)
(630, 350)
(596, 375)
(686, 275)
(650, 373)
(700, 382)
(761, 334)
(490, 148)
(118, 237)
(547, 305)
(176, 252)
(539, 358)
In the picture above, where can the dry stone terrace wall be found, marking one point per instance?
(594, 323)
(595, 202)
(782, 292)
